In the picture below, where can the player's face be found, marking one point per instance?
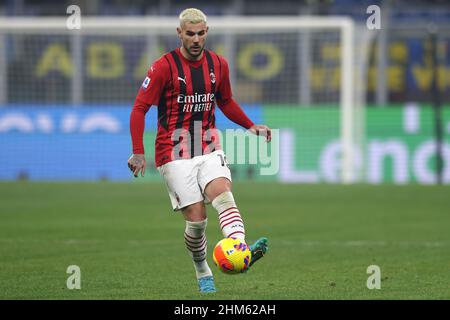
(193, 37)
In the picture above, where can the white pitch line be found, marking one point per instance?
(363, 243)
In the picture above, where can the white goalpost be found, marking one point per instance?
(288, 63)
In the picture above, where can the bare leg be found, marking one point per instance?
(195, 212)
(216, 187)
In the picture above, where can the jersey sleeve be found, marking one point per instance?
(153, 84)
(149, 94)
(225, 100)
(224, 90)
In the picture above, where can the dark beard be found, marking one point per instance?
(194, 55)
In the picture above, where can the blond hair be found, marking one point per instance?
(192, 15)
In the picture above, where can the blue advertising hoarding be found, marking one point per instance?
(67, 143)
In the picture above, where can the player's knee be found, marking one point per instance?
(194, 212)
(217, 187)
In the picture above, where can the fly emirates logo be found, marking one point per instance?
(196, 102)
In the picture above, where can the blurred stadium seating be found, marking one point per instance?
(400, 124)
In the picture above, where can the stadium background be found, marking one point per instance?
(44, 122)
(329, 232)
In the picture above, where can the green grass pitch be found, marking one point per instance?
(129, 245)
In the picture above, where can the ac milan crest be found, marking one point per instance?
(213, 77)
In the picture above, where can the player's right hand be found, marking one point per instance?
(137, 164)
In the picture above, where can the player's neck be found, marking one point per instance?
(189, 57)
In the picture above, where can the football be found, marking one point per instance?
(232, 255)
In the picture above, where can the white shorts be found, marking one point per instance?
(186, 179)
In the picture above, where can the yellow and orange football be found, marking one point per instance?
(232, 255)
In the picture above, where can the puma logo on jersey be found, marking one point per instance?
(182, 79)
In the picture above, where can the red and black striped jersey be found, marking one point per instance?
(186, 93)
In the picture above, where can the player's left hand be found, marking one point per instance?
(262, 130)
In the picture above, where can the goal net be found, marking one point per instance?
(65, 95)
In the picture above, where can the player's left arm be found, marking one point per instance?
(233, 111)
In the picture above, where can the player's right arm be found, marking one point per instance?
(149, 94)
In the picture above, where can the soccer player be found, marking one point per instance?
(186, 84)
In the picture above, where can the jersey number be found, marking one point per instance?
(223, 160)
